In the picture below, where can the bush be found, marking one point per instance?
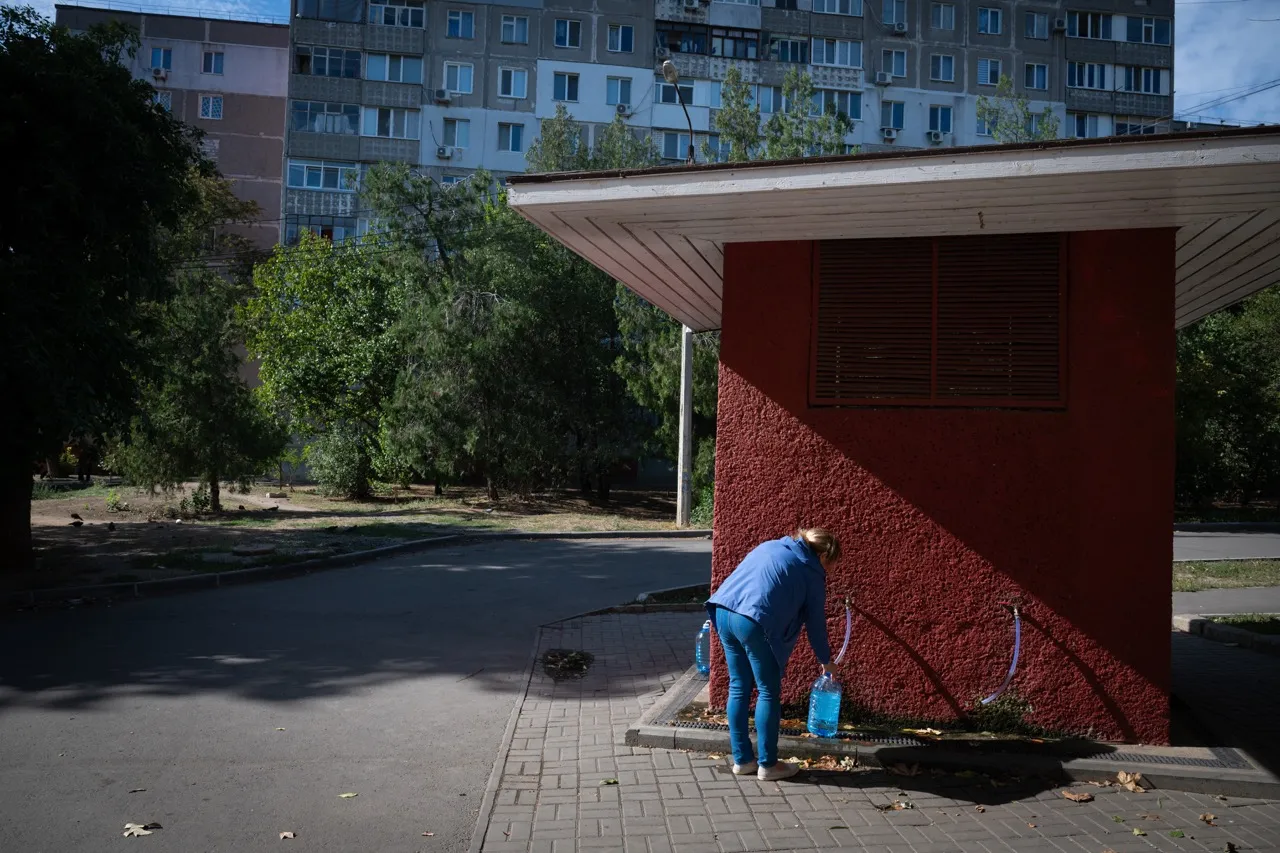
(340, 463)
(702, 514)
(114, 504)
(201, 500)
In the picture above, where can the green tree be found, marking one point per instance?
(1010, 119)
(737, 121)
(197, 416)
(559, 146)
(104, 177)
(794, 132)
(322, 325)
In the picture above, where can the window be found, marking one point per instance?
(741, 2)
(331, 10)
(1147, 30)
(162, 57)
(391, 123)
(1088, 25)
(211, 107)
(621, 38)
(1136, 127)
(511, 137)
(770, 99)
(848, 104)
(515, 29)
(838, 7)
(894, 12)
(1083, 125)
(784, 49)
(164, 100)
(213, 62)
(458, 77)
(942, 67)
(565, 87)
(324, 117)
(1144, 80)
(892, 114)
(1033, 123)
(988, 72)
(335, 229)
(735, 44)
(457, 132)
(894, 61)
(397, 13)
(617, 91)
(675, 146)
(990, 21)
(450, 180)
(1037, 25)
(720, 149)
(1036, 76)
(513, 83)
(323, 175)
(666, 93)
(1086, 75)
(943, 16)
(837, 52)
(326, 61)
(962, 321)
(568, 33)
(982, 127)
(679, 37)
(940, 118)
(393, 69)
(460, 25)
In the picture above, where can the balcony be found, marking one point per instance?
(310, 31)
(828, 77)
(314, 88)
(379, 94)
(320, 203)
(1137, 104)
(1091, 100)
(323, 146)
(407, 40)
(375, 148)
(1090, 50)
(1148, 55)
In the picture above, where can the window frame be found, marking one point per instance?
(794, 45)
(897, 115)
(463, 16)
(1104, 20)
(661, 87)
(893, 11)
(990, 12)
(893, 54)
(617, 83)
(214, 67)
(504, 70)
(835, 47)
(456, 123)
(1032, 28)
(936, 112)
(999, 65)
(343, 168)
(832, 7)
(1141, 80)
(514, 130)
(571, 81)
(1031, 71)
(163, 98)
(514, 22)
(398, 9)
(734, 37)
(1074, 119)
(1087, 66)
(630, 40)
(166, 58)
(391, 118)
(459, 66)
(942, 10)
(388, 57)
(348, 59)
(568, 34)
(683, 141)
(940, 57)
(212, 98)
(312, 115)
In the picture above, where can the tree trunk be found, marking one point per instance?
(438, 491)
(603, 482)
(215, 494)
(491, 487)
(15, 511)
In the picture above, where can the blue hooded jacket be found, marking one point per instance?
(781, 586)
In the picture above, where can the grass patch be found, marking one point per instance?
(1258, 623)
(42, 491)
(1225, 574)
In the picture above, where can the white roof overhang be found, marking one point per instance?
(661, 232)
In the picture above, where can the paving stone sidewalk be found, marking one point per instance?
(557, 791)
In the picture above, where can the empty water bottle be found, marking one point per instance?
(702, 649)
(824, 707)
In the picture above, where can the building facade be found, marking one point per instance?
(225, 77)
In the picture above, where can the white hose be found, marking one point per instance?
(848, 629)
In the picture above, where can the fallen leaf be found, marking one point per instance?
(1150, 816)
(966, 774)
(1032, 825)
(1209, 818)
(1177, 833)
(895, 806)
(136, 829)
(1137, 831)
(427, 834)
(279, 730)
(1231, 845)
(285, 835)
(1117, 818)
(609, 782)
(1078, 798)
(715, 756)
(136, 790)
(979, 808)
(1098, 784)
(837, 827)
(925, 732)
(1220, 798)
(901, 769)
(1130, 781)
(507, 834)
(348, 796)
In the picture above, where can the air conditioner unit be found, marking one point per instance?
(889, 133)
(443, 96)
(883, 78)
(935, 136)
(1059, 25)
(900, 28)
(444, 152)
(623, 110)
(159, 73)
(662, 52)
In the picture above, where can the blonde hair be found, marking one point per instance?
(823, 542)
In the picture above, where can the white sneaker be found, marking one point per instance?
(747, 769)
(781, 770)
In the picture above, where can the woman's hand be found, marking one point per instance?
(826, 669)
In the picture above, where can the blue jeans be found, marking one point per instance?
(751, 664)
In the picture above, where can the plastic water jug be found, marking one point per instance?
(702, 649)
(824, 707)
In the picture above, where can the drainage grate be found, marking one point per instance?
(1223, 758)
(721, 727)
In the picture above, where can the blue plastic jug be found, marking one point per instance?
(702, 649)
(824, 707)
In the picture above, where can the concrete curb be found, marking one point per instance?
(1201, 625)
(213, 580)
(1227, 527)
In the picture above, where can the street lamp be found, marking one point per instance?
(672, 76)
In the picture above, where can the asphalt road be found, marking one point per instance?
(245, 712)
(1225, 545)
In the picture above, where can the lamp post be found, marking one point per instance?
(672, 76)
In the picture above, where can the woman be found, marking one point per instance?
(758, 611)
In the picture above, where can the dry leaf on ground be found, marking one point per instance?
(1032, 825)
(136, 790)
(714, 756)
(1137, 831)
(979, 808)
(427, 834)
(1151, 816)
(1078, 798)
(136, 829)
(609, 782)
(1177, 833)
(1209, 818)
(286, 834)
(901, 769)
(1130, 781)
(348, 795)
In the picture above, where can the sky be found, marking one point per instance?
(1224, 48)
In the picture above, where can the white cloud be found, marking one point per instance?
(1219, 53)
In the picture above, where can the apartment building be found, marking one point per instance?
(227, 78)
(452, 86)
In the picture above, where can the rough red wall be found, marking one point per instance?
(945, 513)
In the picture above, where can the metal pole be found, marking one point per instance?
(684, 495)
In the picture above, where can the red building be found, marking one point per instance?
(960, 360)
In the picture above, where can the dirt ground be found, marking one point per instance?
(127, 535)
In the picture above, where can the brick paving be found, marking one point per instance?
(568, 742)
